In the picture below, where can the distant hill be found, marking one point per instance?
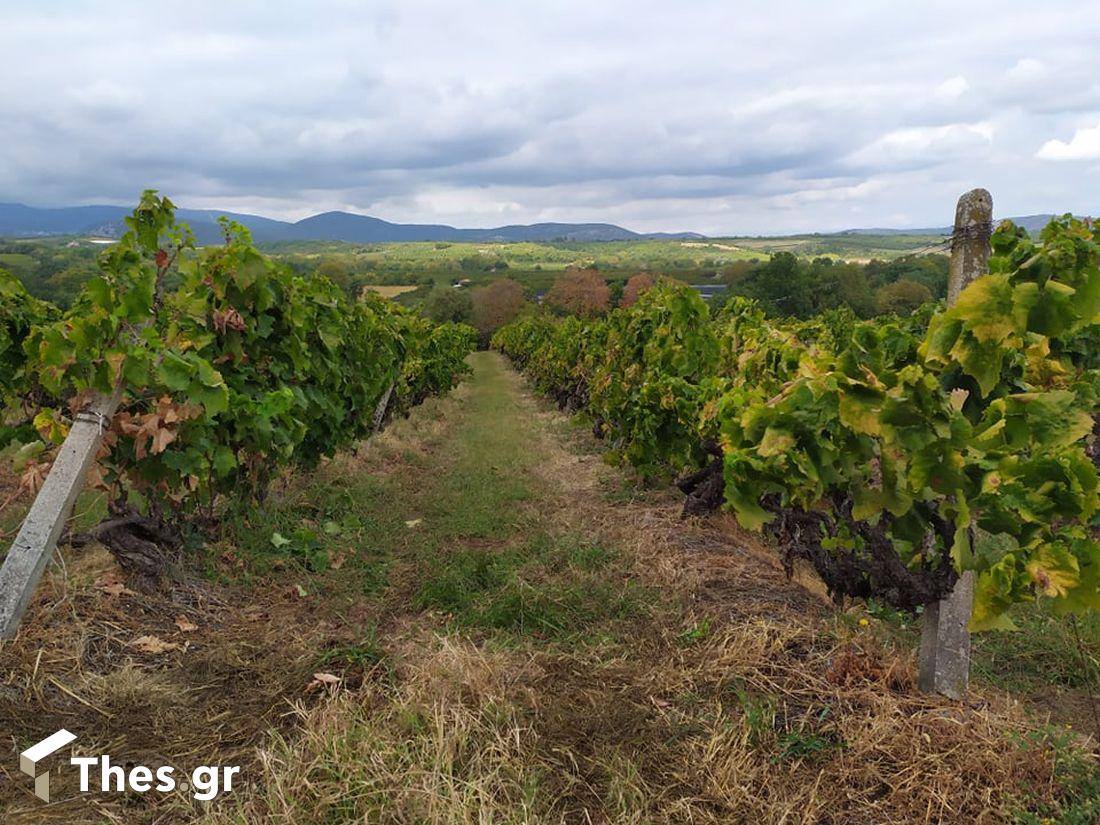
(1032, 223)
(18, 220)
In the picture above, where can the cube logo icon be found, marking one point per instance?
(29, 759)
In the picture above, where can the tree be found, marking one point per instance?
(335, 270)
(837, 284)
(581, 292)
(930, 270)
(448, 303)
(782, 286)
(495, 305)
(901, 297)
(854, 289)
(636, 286)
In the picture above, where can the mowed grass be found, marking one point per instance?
(452, 528)
(447, 532)
(547, 588)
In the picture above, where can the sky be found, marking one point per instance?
(717, 117)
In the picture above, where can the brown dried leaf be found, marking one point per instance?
(152, 644)
(162, 439)
(228, 319)
(117, 589)
(95, 477)
(126, 423)
(185, 625)
(34, 476)
(80, 400)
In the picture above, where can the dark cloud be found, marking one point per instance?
(715, 116)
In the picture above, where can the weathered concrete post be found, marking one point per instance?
(380, 410)
(37, 539)
(945, 639)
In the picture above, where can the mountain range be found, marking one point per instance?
(1032, 223)
(19, 220)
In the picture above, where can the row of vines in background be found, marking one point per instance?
(891, 454)
(232, 368)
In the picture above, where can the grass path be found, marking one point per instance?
(554, 645)
(520, 635)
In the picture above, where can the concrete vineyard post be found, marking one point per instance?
(945, 639)
(380, 410)
(37, 539)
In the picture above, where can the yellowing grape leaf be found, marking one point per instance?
(1054, 570)
(987, 308)
(775, 442)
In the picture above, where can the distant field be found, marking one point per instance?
(17, 262)
(536, 265)
(52, 269)
(390, 291)
(846, 247)
(610, 255)
(554, 255)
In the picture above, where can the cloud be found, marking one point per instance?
(924, 146)
(1084, 145)
(782, 118)
(1027, 69)
(952, 87)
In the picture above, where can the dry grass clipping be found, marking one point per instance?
(206, 696)
(662, 733)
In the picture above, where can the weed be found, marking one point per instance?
(759, 716)
(697, 632)
(800, 745)
(364, 654)
(463, 575)
(526, 590)
(804, 744)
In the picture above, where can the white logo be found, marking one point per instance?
(29, 759)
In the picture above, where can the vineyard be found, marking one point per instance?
(326, 541)
(228, 370)
(891, 455)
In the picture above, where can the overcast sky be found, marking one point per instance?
(719, 117)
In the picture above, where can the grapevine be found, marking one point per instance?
(892, 454)
(241, 370)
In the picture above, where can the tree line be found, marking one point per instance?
(785, 286)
